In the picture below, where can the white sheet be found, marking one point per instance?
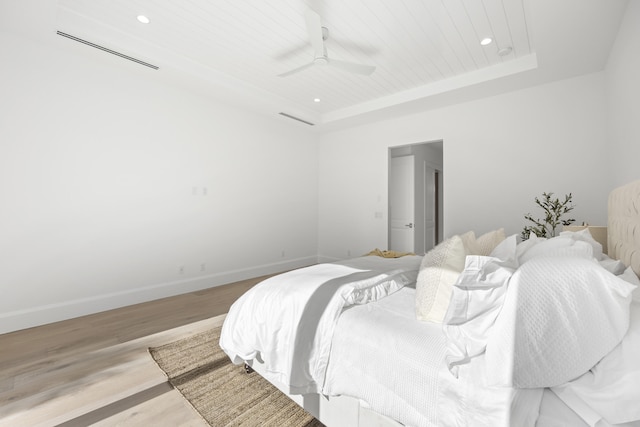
(609, 394)
(382, 355)
(287, 321)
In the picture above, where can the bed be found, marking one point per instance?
(481, 331)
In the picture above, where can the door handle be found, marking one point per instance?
(410, 225)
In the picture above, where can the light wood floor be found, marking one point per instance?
(96, 370)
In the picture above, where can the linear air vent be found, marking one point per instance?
(113, 52)
(296, 118)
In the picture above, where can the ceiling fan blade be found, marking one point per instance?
(296, 70)
(314, 28)
(353, 46)
(365, 70)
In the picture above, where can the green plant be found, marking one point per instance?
(554, 209)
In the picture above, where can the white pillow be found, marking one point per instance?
(630, 276)
(561, 246)
(439, 269)
(585, 236)
(525, 245)
(506, 250)
(559, 318)
(614, 266)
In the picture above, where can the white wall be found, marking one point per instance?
(499, 153)
(103, 167)
(623, 99)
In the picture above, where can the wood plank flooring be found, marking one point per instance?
(95, 370)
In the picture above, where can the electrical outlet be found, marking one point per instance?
(181, 269)
(203, 266)
(348, 252)
(283, 253)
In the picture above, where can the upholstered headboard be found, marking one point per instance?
(624, 225)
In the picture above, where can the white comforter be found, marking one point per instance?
(287, 321)
(396, 365)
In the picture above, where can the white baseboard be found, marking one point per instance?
(49, 313)
(324, 259)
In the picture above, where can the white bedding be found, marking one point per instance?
(380, 353)
(609, 394)
(396, 365)
(287, 321)
(350, 329)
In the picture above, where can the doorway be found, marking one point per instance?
(415, 197)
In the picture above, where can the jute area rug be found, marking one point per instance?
(221, 392)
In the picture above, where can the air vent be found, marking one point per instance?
(113, 52)
(296, 118)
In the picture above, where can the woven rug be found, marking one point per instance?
(221, 392)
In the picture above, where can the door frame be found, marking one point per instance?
(432, 154)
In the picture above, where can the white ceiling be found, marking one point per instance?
(425, 51)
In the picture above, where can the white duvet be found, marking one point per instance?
(287, 321)
(396, 365)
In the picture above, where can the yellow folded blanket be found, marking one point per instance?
(388, 254)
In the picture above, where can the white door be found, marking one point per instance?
(401, 203)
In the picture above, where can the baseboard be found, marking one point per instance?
(324, 259)
(49, 313)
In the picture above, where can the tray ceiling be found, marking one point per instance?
(421, 48)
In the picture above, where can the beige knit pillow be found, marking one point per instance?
(484, 244)
(439, 270)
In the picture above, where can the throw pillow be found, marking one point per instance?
(439, 270)
(484, 244)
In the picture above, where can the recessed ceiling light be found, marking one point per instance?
(316, 99)
(485, 41)
(143, 19)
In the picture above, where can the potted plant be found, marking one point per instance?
(553, 209)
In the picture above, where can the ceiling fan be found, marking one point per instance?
(317, 36)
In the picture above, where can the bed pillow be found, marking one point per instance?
(560, 316)
(585, 236)
(507, 250)
(630, 277)
(561, 246)
(469, 242)
(439, 269)
(484, 244)
(488, 241)
(614, 266)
